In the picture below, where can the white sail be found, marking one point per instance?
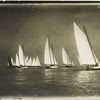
(83, 46)
(21, 56)
(29, 62)
(12, 61)
(33, 62)
(55, 61)
(65, 57)
(47, 59)
(17, 61)
(37, 61)
(51, 56)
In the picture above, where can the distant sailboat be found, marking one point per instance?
(29, 63)
(21, 56)
(49, 58)
(37, 61)
(26, 61)
(17, 61)
(87, 56)
(33, 62)
(12, 61)
(9, 62)
(66, 59)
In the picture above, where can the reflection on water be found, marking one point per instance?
(85, 76)
(49, 82)
(20, 76)
(86, 81)
(49, 75)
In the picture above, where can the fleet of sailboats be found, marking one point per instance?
(22, 62)
(86, 55)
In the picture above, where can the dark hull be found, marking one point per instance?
(68, 66)
(51, 66)
(19, 66)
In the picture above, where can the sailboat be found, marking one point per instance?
(66, 59)
(49, 58)
(37, 62)
(9, 62)
(29, 62)
(86, 53)
(12, 61)
(21, 56)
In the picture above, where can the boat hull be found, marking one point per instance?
(51, 67)
(19, 66)
(93, 68)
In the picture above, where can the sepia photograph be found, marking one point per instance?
(50, 51)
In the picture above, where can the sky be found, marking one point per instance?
(30, 26)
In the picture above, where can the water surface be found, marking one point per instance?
(48, 82)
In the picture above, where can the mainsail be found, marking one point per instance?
(21, 56)
(83, 46)
(17, 61)
(37, 61)
(49, 58)
(33, 62)
(65, 57)
(53, 59)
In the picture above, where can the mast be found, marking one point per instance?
(21, 56)
(52, 55)
(90, 44)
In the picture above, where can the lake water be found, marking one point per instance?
(48, 82)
